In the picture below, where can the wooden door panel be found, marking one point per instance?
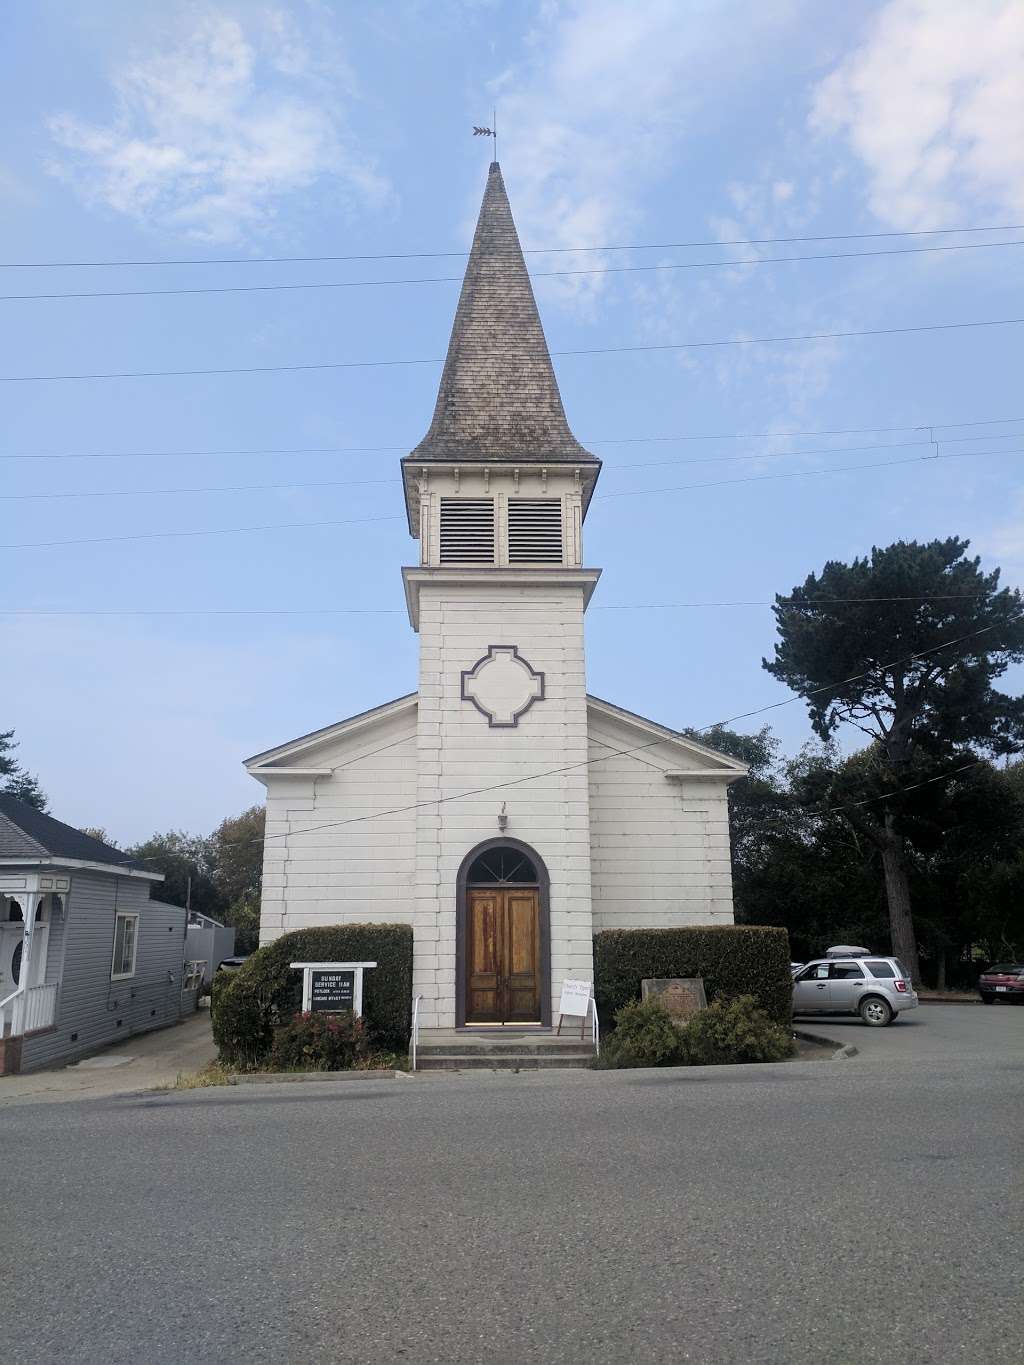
(483, 957)
(522, 957)
(503, 957)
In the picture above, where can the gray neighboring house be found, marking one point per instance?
(86, 957)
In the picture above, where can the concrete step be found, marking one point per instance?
(486, 1048)
(540, 1060)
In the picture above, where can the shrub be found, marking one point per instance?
(319, 1042)
(733, 1031)
(248, 1005)
(644, 1036)
(734, 959)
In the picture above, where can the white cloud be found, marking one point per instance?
(933, 105)
(214, 129)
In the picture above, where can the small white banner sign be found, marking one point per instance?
(575, 998)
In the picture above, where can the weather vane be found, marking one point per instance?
(489, 132)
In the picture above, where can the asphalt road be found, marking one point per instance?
(851, 1211)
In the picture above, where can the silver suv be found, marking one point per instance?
(876, 988)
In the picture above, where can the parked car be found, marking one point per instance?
(232, 964)
(1003, 981)
(877, 988)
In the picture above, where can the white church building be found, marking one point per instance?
(499, 809)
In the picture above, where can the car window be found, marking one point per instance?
(1004, 969)
(846, 971)
(817, 971)
(881, 969)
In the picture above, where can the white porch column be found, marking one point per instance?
(29, 901)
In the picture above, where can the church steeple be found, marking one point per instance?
(498, 400)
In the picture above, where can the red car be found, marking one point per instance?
(1004, 981)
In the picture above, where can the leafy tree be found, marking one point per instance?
(187, 864)
(98, 832)
(14, 780)
(237, 862)
(905, 645)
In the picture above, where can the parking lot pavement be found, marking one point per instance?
(956, 1033)
(139, 1063)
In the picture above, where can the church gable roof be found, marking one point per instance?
(695, 759)
(299, 755)
(498, 398)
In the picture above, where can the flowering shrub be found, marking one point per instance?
(319, 1042)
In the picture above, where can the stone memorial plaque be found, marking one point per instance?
(681, 996)
(332, 991)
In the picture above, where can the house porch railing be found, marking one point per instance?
(28, 1010)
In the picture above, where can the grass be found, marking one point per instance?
(213, 1073)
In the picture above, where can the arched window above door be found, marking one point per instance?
(502, 866)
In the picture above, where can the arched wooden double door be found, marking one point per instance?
(503, 927)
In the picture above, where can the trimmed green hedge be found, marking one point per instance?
(733, 959)
(248, 1005)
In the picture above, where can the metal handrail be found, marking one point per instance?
(597, 1029)
(415, 1038)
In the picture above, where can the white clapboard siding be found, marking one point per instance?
(660, 848)
(320, 870)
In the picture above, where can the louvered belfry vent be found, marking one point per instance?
(535, 531)
(467, 530)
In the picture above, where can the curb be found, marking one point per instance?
(843, 1052)
(297, 1077)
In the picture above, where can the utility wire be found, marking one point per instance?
(528, 251)
(587, 440)
(779, 604)
(593, 350)
(611, 469)
(534, 274)
(356, 521)
(614, 753)
(803, 473)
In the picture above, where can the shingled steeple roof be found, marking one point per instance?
(498, 398)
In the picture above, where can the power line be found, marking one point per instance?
(780, 604)
(593, 350)
(803, 473)
(587, 440)
(393, 482)
(528, 251)
(638, 492)
(614, 753)
(535, 274)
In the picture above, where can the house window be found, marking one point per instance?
(467, 530)
(535, 531)
(126, 942)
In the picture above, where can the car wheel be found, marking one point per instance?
(875, 1012)
(988, 999)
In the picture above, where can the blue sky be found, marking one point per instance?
(151, 131)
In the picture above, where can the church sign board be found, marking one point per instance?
(330, 992)
(332, 987)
